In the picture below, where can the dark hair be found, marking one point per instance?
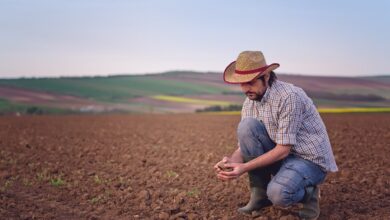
(272, 78)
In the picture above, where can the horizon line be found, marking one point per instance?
(179, 71)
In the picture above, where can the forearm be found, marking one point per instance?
(272, 156)
(236, 156)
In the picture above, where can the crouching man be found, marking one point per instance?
(281, 135)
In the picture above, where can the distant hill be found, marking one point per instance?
(176, 91)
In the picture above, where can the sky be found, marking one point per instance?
(105, 37)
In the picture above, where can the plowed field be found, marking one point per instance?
(161, 167)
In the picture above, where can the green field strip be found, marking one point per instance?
(11, 107)
(77, 87)
(113, 89)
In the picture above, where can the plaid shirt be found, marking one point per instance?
(291, 118)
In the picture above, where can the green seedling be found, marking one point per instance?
(7, 184)
(42, 176)
(96, 199)
(193, 192)
(26, 182)
(172, 174)
(97, 179)
(57, 182)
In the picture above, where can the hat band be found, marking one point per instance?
(261, 69)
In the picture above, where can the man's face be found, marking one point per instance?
(254, 89)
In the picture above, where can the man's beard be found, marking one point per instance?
(254, 96)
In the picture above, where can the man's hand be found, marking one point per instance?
(217, 166)
(229, 165)
(238, 170)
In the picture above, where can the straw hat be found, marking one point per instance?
(248, 66)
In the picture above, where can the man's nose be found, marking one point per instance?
(245, 87)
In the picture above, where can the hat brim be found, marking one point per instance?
(230, 76)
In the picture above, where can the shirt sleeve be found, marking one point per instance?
(290, 119)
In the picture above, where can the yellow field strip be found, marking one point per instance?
(224, 103)
(321, 110)
(190, 100)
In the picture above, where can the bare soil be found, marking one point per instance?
(161, 167)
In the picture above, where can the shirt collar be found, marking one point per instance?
(265, 96)
(264, 99)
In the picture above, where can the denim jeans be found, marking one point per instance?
(290, 176)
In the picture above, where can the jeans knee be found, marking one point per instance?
(247, 127)
(278, 195)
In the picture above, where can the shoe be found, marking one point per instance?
(311, 203)
(258, 181)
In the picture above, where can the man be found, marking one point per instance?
(281, 134)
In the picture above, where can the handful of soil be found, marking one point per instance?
(221, 166)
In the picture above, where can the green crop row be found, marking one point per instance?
(10, 107)
(112, 89)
